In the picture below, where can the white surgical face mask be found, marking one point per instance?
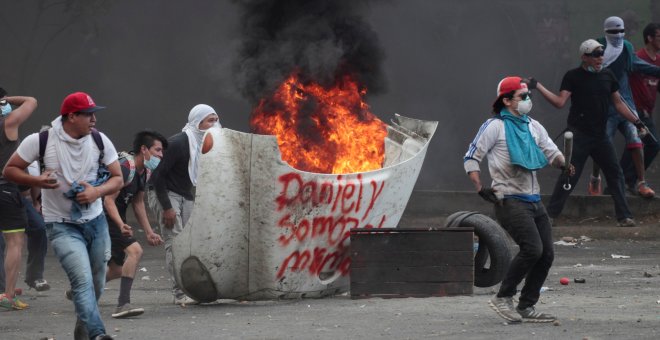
(152, 162)
(525, 106)
(6, 109)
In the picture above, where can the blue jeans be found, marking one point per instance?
(651, 148)
(83, 251)
(37, 245)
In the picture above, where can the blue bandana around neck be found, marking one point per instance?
(523, 150)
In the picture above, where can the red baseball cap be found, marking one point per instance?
(509, 84)
(79, 102)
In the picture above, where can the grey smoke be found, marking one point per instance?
(321, 40)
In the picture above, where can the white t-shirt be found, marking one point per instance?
(55, 206)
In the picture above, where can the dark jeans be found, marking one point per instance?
(651, 148)
(602, 152)
(37, 246)
(529, 225)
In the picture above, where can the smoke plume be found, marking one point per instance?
(321, 40)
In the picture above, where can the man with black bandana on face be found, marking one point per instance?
(592, 91)
(620, 58)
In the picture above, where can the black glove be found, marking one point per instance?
(568, 170)
(488, 194)
(531, 83)
(639, 125)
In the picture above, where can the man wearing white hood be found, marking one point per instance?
(621, 59)
(174, 181)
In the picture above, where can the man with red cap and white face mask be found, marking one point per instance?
(516, 146)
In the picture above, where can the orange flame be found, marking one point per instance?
(322, 130)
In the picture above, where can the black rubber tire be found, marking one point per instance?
(493, 244)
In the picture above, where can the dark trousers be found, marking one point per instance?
(602, 152)
(37, 246)
(529, 226)
(651, 148)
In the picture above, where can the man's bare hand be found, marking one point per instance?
(154, 239)
(48, 180)
(126, 230)
(169, 218)
(89, 195)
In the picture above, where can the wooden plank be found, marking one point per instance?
(410, 289)
(412, 241)
(394, 257)
(433, 274)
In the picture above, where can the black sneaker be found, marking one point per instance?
(530, 314)
(504, 307)
(80, 332)
(103, 337)
(39, 285)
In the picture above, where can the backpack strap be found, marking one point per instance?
(131, 165)
(99, 143)
(43, 140)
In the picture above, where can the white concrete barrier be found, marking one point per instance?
(262, 230)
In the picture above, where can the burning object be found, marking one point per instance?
(261, 229)
(322, 130)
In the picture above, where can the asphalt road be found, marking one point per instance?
(618, 301)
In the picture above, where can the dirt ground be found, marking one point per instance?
(619, 300)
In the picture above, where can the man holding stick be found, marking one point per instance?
(592, 89)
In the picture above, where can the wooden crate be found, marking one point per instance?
(411, 262)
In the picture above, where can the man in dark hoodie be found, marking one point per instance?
(173, 183)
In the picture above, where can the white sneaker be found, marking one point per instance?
(184, 300)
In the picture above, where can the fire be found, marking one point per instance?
(322, 130)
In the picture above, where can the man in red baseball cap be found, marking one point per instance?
(77, 160)
(516, 146)
(79, 102)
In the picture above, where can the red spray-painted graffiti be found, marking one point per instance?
(350, 201)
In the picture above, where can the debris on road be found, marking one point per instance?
(564, 243)
(615, 256)
(579, 280)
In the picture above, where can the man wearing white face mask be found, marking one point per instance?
(126, 252)
(173, 183)
(516, 146)
(620, 58)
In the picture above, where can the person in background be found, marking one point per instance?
(174, 181)
(136, 168)
(619, 57)
(644, 90)
(592, 89)
(13, 219)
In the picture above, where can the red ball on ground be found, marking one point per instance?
(564, 281)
